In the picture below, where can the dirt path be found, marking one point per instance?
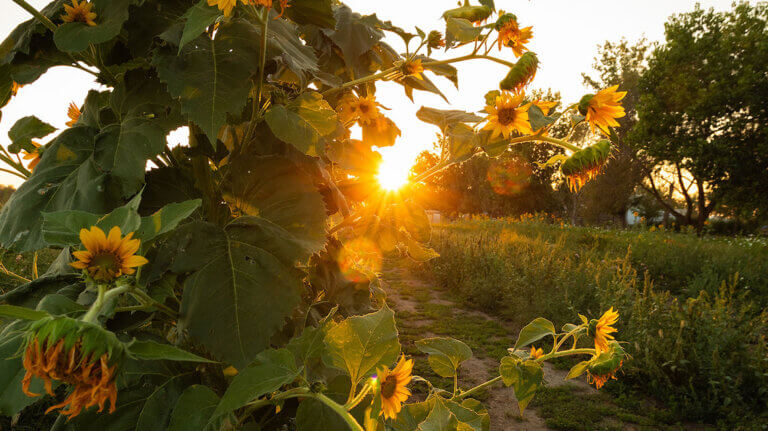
(423, 312)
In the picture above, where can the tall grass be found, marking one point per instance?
(692, 309)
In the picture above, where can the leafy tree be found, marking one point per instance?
(704, 110)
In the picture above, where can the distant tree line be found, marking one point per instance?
(694, 141)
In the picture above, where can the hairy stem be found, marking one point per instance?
(479, 387)
(40, 17)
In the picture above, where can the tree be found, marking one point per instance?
(704, 110)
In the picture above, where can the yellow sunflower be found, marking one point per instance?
(602, 109)
(33, 157)
(225, 6)
(536, 353)
(506, 115)
(600, 379)
(108, 257)
(79, 12)
(414, 68)
(393, 387)
(601, 330)
(511, 35)
(367, 109)
(74, 114)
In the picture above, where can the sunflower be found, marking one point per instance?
(585, 164)
(74, 114)
(107, 257)
(600, 379)
(367, 109)
(79, 12)
(225, 6)
(393, 387)
(602, 109)
(268, 4)
(414, 68)
(511, 35)
(601, 330)
(33, 156)
(536, 353)
(506, 115)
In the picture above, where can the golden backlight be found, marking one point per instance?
(394, 169)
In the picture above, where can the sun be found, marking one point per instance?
(394, 170)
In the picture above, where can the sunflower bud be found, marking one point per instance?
(435, 40)
(522, 73)
(504, 19)
(475, 14)
(80, 354)
(584, 103)
(585, 164)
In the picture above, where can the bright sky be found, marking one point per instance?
(566, 35)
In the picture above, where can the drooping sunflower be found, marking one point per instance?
(74, 114)
(225, 6)
(536, 353)
(507, 115)
(600, 330)
(393, 387)
(33, 156)
(585, 164)
(80, 354)
(602, 109)
(79, 12)
(367, 109)
(511, 35)
(108, 257)
(414, 68)
(603, 366)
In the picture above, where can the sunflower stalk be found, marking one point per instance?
(103, 297)
(39, 16)
(256, 110)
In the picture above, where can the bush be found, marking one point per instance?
(690, 307)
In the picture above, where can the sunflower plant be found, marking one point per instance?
(230, 282)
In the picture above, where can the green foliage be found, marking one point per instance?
(445, 354)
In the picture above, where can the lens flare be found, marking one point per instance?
(394, 170)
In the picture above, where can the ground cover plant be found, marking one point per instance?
(233, 284)
(674, 291)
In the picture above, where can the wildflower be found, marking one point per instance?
(80, 354)
(33, 156)
(74, 114)
(536, 353)
(347, 108)
(107, 257)
(367, 109)
(79, 12)
(600, 330)
(413, 68)
(522, 73)
(225, 6)
(603, 366)
(585, 164)
(506, 115)
(393, 387)
(602, 109)
(511, 35)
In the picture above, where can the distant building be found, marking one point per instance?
(434, 216)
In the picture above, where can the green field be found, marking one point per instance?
(692, 309)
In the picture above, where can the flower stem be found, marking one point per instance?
(479, 387)
(40, 17)
(306, 393)
(558, 142)
(552, 355)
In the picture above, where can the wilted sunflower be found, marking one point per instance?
(511, 35)
(603, 366)
(80, 354)
(225, 6)
(602, 109)
(107, 257)
(79, 12)
(74, 114)
(393, 387)
(585, 164)
(600, 330)
(414, 68)
(536, 353)
(33, 156)
(506, 115)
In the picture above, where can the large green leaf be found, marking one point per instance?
(194, 409)
(77, 36)
(15, 312)
(66, 178)
(223, 302)
(534, 331)
(12, 399)
(303, 122)
(308, 346)
(150, 350)
(444, 118)
(316, 12)
(286, 47)
(537, 118)
(62, 228)
(21, 38)
(445, 354)
(271, 370)
(524, 376)
(440, 418)
(211, 77)
(198, 18)
(460, 30)
(275, 189)
(166, 219)
(26, 129)
(353, 34)
(313, 415)
(361, 344)
(462, 142)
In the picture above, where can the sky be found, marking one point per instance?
(566, 35)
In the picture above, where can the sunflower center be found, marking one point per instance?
(388, 386)
(364, 108)
(79, 15)
(506, 116)
(106, 261)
